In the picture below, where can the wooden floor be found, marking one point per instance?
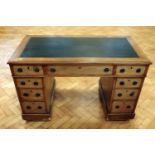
(77, 103)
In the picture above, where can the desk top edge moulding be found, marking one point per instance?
(117, 60)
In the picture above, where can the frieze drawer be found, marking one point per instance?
(80, 70)
(130, 70)
(27, 70)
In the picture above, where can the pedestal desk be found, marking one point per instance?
(120, 64)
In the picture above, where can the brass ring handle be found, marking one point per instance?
(106, 70)
(119, 94)
(37, 94)
(36, 69)
(28, 107)
(128, 106)
(53, 70)
(35, 83)
(117, 106)
(122, 83)
(138, 70)
(25, 94)
(39, 107)
(122, 70)
(20, 70)
(135, 83)
(22, 83)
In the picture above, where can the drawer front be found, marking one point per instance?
(117, 106)
(130, 70)
(80, 70)
(33, 107)
(27, 70)
(29, 82)
(31, 94)
(123, 106)
(129, 106)
(125, 93)
(128, 82)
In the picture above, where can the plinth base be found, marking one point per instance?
(36, 117)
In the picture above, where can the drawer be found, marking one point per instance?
(130, 70)
(129, 106)
(27, 70)
(33, 107)
(80, 70)
(128, 82)
(29, 82)
(125, 93)
(123, 106)
(117, 106)
(31, 94)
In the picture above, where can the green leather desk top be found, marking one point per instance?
(78, 47)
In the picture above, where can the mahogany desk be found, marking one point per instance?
(120, 64)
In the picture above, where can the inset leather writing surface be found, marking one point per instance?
(78, 47)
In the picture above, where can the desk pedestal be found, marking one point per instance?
(109, 115)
